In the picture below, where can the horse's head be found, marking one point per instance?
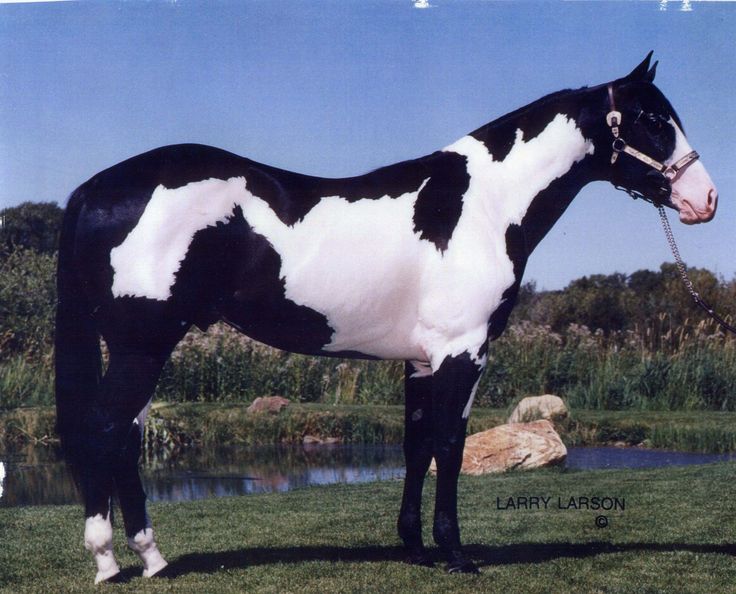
(650, 154)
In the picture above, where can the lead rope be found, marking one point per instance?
(683, 273)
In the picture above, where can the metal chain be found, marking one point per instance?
(683, 273)
(676, 253)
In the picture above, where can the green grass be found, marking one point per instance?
(694, 431)
(676, 534)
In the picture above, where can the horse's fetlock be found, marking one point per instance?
(98, 540)
(144, 545)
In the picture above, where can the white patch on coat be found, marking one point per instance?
(359, 263)
(140, 420)
(384, 291)
(469, 404)
(144, 545)
(421, 369)
(98, 540)
(690, 189)
(467, 287)
(146, 262)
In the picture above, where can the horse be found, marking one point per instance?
(419, 261)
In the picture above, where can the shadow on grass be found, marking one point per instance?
(483, 555)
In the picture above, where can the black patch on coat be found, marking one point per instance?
(251, 295)
(518, 251)
(546, 208)
(232, 273)
(122, 191)
(207, 271)
(440, 202)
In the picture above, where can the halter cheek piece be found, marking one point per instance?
(670, 172)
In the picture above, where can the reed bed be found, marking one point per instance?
(689, 369)
(654, 368)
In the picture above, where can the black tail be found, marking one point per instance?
(77, 342)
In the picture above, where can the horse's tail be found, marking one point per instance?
(77, 342)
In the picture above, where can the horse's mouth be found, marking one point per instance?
(692, 215)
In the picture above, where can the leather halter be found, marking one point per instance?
(613, 119)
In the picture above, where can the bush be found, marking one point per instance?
(27, 303)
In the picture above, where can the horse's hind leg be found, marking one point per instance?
(132, 498)
(110, 445)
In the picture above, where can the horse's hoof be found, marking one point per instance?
(462, 566)
(165, 572)
(419, 558)
(116, 578)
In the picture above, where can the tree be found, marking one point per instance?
(30, 225)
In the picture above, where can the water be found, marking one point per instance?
(593, 458)
(36, 476)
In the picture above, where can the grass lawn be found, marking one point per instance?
(676, 534)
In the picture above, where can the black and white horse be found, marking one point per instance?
(419, 261)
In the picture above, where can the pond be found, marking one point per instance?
(36, 476)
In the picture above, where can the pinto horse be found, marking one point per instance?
(419, 261)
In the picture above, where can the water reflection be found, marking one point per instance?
(224, 471)
(36, 475)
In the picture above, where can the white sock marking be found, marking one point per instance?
(98, 540)
(145, 547)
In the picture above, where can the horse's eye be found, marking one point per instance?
(654, 122)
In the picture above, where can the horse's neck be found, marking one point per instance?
(532, 184)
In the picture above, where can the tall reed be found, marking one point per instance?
(658, 367)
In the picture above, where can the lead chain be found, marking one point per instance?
(676, 253)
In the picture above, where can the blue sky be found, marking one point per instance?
(339, 88)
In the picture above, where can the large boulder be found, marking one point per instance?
(534, 408)
(513, 446)
(272, 404)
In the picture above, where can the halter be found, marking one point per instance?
(670, 172)
(613, 119)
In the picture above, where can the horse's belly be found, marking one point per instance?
(294, 327)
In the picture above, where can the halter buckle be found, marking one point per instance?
(613, 119)
(670, 173)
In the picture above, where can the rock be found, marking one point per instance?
(534, 408)
(272, 404)
(508, 447)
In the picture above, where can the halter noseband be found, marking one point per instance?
(670, 172)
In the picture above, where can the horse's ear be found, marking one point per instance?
(642, 70)
(649, 76)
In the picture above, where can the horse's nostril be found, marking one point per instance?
(712, 197)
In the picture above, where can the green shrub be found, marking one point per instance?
(27, 303)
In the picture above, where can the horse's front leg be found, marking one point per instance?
(453, 387)
(418, 455)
